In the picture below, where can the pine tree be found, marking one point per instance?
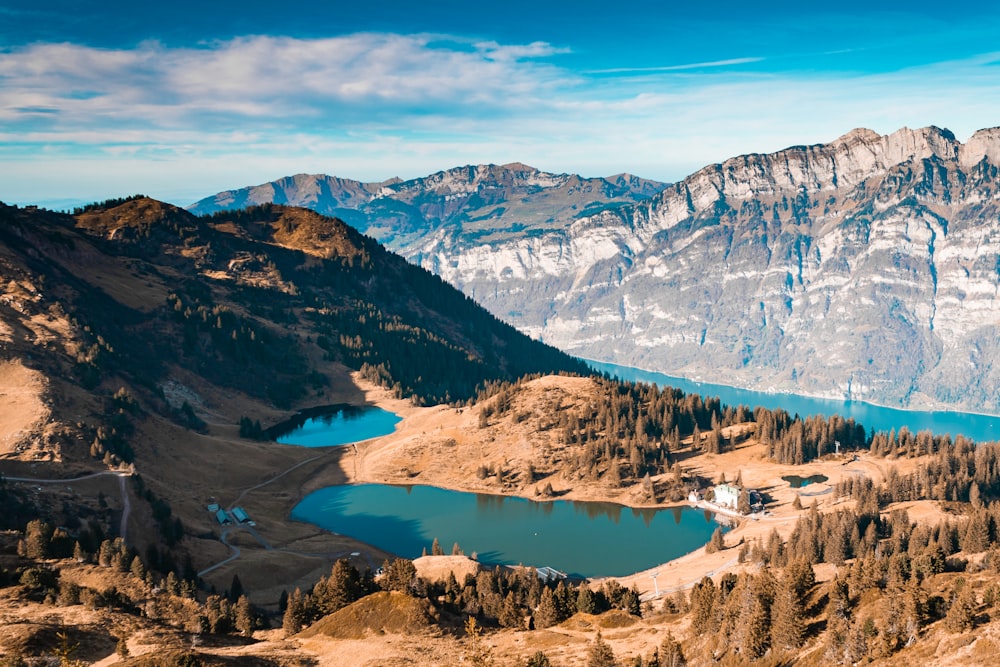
(341, 589)
(756, 632)
(787, 630)
(37, 539)
(547, 614)
(295, 614)
(614, 474)
(914, 610)
(585, 603)
(743, 502)
(600, 654)
(703, 617)
(235, 587)
(713, 442)
(436, 549)
(976, 536)
(962, 613)
(801, 575)
(243, 617)
(538, 659)
(630, 601)
(477, 652)
(717, 543)
(137, 568)
(398, 575)
(173, 586)
(511, 615)
(670, 652)
(565, 599)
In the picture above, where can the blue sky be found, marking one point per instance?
(179, 100)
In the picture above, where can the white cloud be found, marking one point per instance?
(371, 106)
(284, 79)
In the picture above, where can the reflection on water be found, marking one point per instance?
(332, 425)
(580, 538)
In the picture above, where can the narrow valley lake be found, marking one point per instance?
(580, 538)
(981, 428)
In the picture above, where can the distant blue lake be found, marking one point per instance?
(982, 428)
(335, 425)
(580, 538)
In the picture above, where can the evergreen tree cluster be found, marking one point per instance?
(111, 437)
(498, 597)
(106, 204)
(170, 527)
(958, 471)
(627, 433)
(795, 440)
(234, 350)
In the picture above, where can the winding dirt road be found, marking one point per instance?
(122, 476)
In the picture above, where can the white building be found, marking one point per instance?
(727, 495)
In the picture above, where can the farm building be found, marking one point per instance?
(240, 515)
(222, 517)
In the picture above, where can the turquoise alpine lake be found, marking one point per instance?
(334, 425)
(582, 539)
(981, 428)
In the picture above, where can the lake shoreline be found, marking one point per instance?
(933, 407)
(438, 446)
(511, 530)
(975, 425)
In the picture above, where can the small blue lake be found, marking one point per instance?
(981, 428)
(797, 482)
(580, 538)
(334, 425)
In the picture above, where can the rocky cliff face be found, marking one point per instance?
(867, 268)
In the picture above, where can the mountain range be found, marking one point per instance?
(866, 268)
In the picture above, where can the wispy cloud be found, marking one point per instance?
(375, 105)
(350, 78)
(674, 68)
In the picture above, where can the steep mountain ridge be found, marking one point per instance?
(468, 203)
(864, 268)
